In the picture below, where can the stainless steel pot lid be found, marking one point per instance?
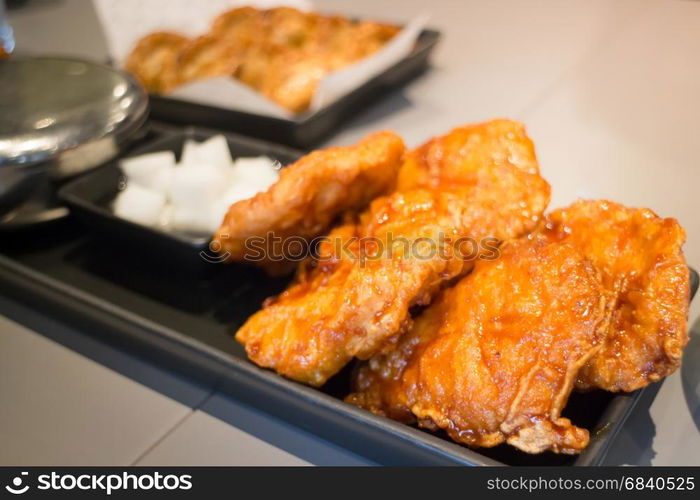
(51, 105)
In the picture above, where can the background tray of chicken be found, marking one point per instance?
(282, 54)
(144, 302)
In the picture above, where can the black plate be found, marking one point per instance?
(308, 129)
(90, 197)
(153, 307)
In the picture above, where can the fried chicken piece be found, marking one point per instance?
(494, 359)
(331, 32)
(463, 157)
(289, 77)
(340, 42)
(241, 25)
(297, 50)
(288, 26)
(402, 250)
(308, 196)
(208, 57)
(259, 61)
(153, 61)
(371, 36)
(640, 256)
(283, 53)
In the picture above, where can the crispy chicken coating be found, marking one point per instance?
(207, 57)
(355, 301)
(286, 76)
(307, 198)
(640, 256)
(153, 61)
(494, 359)
(241, 25)
(288, 26)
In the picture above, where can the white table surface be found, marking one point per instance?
(609, 91)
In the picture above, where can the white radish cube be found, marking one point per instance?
(140, 205)
(217, 213)
(190, 153)
(239, 191)
(151, 171)
(198, 185)
(213, 151)
(257, 173)
(192, 219)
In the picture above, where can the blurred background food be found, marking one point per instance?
(281, 52)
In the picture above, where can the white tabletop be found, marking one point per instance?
(609, 93)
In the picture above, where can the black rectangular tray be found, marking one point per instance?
(307, 129)
(186, 321)
(90, 196)
(150, 307)
(137, 297)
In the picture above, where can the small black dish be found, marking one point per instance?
(90, 197)
(307, 129)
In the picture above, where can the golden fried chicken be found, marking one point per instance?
(340, 42)
(355, 302)
(288, 26)
(241, 25)
(370, 36)
(208, 57)
(288, 77)
(288, 68)
(283, 53)
(470, 155)
(259, 62)
(643, 267)
(331, 46)
(308, 196)
(153, 61)
(494, 359)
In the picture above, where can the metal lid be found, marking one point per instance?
(52, 105)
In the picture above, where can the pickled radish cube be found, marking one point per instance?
(213, 151)
(151, 171)
(217, 213)
(140, 205)
(236, 193)
(190, 219)
(190, 153)
(261, 171)
(239, 191)
(198, 185)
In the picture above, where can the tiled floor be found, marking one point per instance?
(609, 92)
(60, 407)
(224, 432)
(206, 440)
